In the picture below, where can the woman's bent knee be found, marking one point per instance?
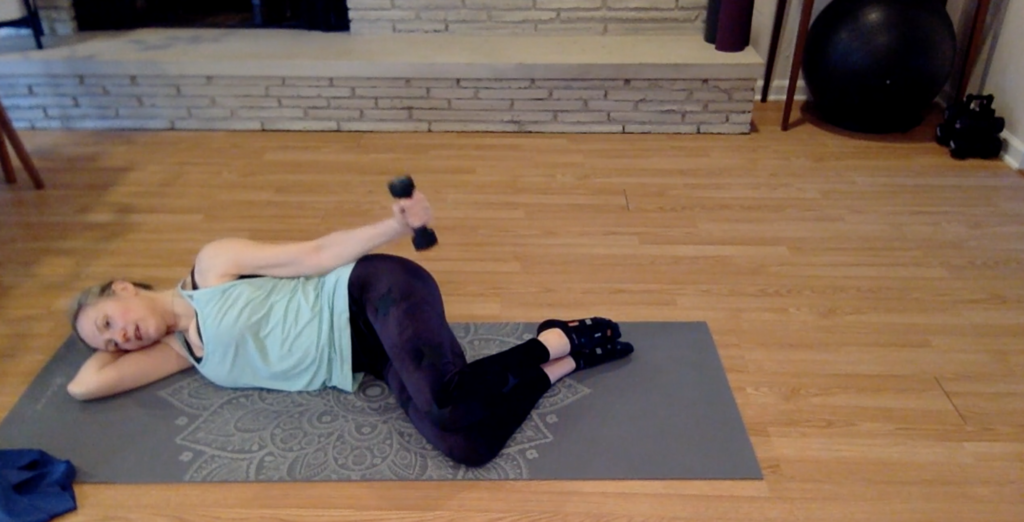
(457, 417)
(466, 446)
(470, 453)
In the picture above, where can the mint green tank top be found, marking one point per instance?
(289, 334)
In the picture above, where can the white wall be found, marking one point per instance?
(1000, 72)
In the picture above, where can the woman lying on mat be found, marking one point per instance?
(320, 313)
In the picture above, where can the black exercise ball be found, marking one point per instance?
(876, 66)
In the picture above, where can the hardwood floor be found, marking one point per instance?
(866, 296)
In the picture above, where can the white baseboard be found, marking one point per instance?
(777, 92)
(1013, 150)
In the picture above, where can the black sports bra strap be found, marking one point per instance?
(191, 352)
(188, 345)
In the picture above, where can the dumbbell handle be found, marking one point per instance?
(403, 187)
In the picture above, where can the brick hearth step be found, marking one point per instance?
(308, 81)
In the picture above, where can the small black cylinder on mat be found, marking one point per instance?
(711, 21)
(734, 25)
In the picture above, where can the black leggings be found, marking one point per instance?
(400, 335)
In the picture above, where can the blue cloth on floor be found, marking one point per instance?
(34, 486)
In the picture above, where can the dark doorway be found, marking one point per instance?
(106, 15)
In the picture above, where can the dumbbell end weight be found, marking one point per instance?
(987, 147)
(403, 187)
(424, 238)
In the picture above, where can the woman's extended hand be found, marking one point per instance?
(414, 212)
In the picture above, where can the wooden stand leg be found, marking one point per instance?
(5, 161)
(7, 128)
(780, 15)
(977, 40)
(798, 57)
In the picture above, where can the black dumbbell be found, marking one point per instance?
(974, 105)
(943, 133)
(978, 125)
(401, 188)
(956, 109)
(983, 147)
(959, 108)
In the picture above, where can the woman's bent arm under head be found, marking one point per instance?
(111, 373)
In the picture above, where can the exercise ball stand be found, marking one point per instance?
(980, 14)
(8, 133)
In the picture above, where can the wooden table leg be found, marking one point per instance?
(769, 69)
(5, 161)
(7, 128)
(798, 58)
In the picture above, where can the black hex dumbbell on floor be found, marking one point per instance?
(985, 146)
(971, 128)
(959, 110)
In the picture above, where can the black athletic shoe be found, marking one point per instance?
(584, 334)
(598, 355)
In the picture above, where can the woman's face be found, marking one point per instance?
(126, 321)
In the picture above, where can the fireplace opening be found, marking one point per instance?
(108, 15)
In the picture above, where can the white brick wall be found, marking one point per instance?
(385, 105)
(527, 16)
(57, 17)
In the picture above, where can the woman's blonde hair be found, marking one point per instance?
(91, 296)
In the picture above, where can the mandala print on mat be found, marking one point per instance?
(261, 435)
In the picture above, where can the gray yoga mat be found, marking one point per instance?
(666, 412)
